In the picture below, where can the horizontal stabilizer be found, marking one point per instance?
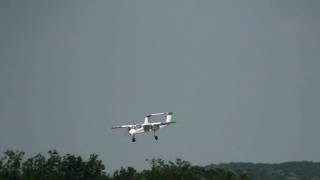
(159, 114)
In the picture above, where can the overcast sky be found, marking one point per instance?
(242, 78)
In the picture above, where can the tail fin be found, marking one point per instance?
(169, 117)
(146, 119)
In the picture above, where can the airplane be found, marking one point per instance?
(148, 126)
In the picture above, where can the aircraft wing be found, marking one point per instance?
(122, 126)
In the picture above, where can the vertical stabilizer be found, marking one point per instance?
(169, 117)
(146, 120)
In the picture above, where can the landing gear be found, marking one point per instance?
(133, 139)
(154, 134)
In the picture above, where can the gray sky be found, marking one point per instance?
(242, 78)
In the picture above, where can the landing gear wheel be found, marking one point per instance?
(156, 137)
(133, 139)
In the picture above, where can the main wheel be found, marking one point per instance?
(156, 137)
(133, 139)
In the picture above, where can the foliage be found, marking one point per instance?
(69, 166)
(11, 164)
(181, 169)
(55, 167)
(290, 170)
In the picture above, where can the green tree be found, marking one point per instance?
(54, 165)
(171, 170)
(11, 165)
(93, 168)
(35, 168)
(125, 174)
(72, 167)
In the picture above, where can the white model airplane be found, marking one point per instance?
(148, 126)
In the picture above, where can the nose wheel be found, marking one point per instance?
(133, 139)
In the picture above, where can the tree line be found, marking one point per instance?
(13, 166)
(300, 170)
